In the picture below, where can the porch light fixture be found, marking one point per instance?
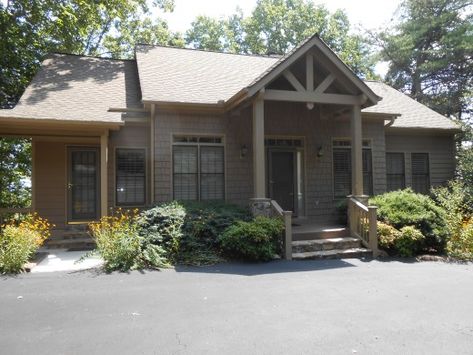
(243, 151)
(310, 105)
(320, 152)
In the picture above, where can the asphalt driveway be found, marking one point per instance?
(307, 307)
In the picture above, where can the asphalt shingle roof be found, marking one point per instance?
(178, 75)
(412, 113)
(79, 88)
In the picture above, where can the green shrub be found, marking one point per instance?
(409, 241)
(257, 240)
(188, 232)
(460, 245)
(19, 240)
(118, 241)
(406, 208)
(162, 226)
(387, 236)
(205, 222)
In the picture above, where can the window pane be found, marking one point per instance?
(395, 176)
(211, 173)
(185, 172)
(420, 172)
(367, 172)
(130, 177)
(341, 172)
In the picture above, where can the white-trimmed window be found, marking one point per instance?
(198, 168)
(342, 168)
(130, 175)
(420, 172)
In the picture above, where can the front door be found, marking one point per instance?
(281, 178)
(83, 183)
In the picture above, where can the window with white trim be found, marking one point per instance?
(420, 172)
(395, 172)
(198, 168)
(130, 175)
(342, 168)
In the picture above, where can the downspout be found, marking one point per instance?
(151, 153)
(391, 121)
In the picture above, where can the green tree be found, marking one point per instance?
(31, 29)
(15, 169)
(430, 54)
(277, 26)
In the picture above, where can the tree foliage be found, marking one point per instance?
(430, 54)
(15, 169)
(277, 26)
(30, 29)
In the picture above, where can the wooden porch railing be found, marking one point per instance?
(362, 221)
(286, 216)
(11, 212)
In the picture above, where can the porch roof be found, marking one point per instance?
(70, 88)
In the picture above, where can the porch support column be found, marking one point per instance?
(104, 174)
(258, 148)
(356, 152)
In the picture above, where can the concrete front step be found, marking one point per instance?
(85, 243)
(325, 233)
(303, 246)
(334, 254)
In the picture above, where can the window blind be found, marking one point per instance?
(342, 170)
(420, 172)
(130, 177)
(185, 172)
(395, 171)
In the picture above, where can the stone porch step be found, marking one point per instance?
(303, 246)
(79, 243)
(334, 254)
(305, 233)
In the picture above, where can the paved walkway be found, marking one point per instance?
(306, 307)
(63, 260)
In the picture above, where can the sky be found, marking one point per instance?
(370, 14)
(363, 14)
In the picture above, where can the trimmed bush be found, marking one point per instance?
(387, 236)
(460, 245)
(409, 241)
(257, 240)
(19, 241)
(188, 232)
(162, 226)
(406, 208)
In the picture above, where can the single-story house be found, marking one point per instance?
(302, 130)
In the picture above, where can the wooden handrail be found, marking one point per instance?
(12, 210)
(286, 216)
(362, 221)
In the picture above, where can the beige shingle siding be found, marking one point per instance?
(78, 88)
(192, 76)
(412, 113)
(441, 151)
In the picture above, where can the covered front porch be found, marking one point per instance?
(70, 173)
(301, 112)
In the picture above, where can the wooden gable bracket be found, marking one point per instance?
(308, 94)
